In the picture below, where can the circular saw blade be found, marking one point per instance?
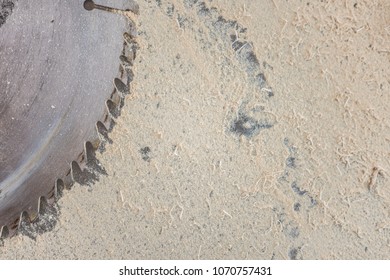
(57, 64)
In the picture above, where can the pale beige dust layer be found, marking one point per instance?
(209, 163)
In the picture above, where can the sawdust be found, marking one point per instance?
(255, 130)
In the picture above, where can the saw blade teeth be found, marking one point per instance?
(67, 179)
(131, 45)
(13, 227)
(117, 99)
(133, 29)
(102, 129)
(128, 38)
(45, 207)
(112, 108)
(129, 57)
(4, 233)
(59, 188)
(51, 196)
(42, 205)
(89, 152)
(130, 77)
(24, 219)
(103, 133)
(32, 218)
(126, 61)
(130, 41)
(25, 227)
(76, 171)
(121, 87)
(82, 176)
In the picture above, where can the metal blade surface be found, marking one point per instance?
(57, 64)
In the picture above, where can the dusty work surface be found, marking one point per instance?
(255, 129)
